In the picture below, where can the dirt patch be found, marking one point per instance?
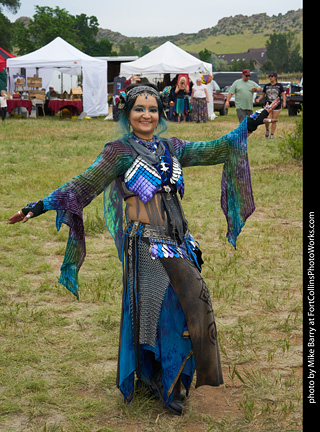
(220, 402)
(203, 402)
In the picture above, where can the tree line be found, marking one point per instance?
(47, 23)
(282, 53)
(282, 49)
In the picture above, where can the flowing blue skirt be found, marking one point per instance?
(172, 350)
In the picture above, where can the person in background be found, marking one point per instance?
(3, 104)
(182, 91)
(243, 90)
(50, 93)
(199, 101)
(272, 91)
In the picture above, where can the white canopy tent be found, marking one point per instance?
(60, 55)
(169, 59)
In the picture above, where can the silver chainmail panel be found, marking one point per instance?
(152, 292)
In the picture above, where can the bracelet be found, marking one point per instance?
(36, 208)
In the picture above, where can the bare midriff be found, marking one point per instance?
(137, 210)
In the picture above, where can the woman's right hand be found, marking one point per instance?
(29, 211)
(20, 217)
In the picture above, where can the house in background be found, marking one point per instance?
(258, 55)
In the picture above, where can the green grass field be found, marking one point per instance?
(58, 355)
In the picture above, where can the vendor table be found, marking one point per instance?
(74, 105)
(38, 103)
(14, 103)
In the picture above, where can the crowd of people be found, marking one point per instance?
(184, 100)
(187, 101)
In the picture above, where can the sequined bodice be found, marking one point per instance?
(145, 179)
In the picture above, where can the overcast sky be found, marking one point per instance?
(161, 17)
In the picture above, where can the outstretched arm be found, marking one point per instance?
(29, 211)
(213, 152)
(260, 117)
(237, 201)
(76, 194)
(69, 201)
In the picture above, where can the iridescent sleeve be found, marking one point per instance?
(70, 199)
(237, 201)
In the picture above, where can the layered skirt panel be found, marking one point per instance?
(167, 315)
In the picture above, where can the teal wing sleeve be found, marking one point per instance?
(70, 199)
(237, 200)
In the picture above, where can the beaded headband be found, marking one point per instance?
(125, 96)
(136, 91)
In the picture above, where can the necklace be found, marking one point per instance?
(151, 144)
(164, 165)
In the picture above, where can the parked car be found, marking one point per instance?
(227, 78)
(294, 95)
(219, 99)
(226, 91)
(257, 95)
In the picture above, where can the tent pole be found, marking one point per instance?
(8, 80)
(82, 84)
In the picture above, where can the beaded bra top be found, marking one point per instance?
(155, 168)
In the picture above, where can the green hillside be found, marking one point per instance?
(230, 35)
(227, 44)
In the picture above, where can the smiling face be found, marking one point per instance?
(144, 116)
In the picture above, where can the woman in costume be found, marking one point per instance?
(182, 101)
(167, 329)
(199, 101)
